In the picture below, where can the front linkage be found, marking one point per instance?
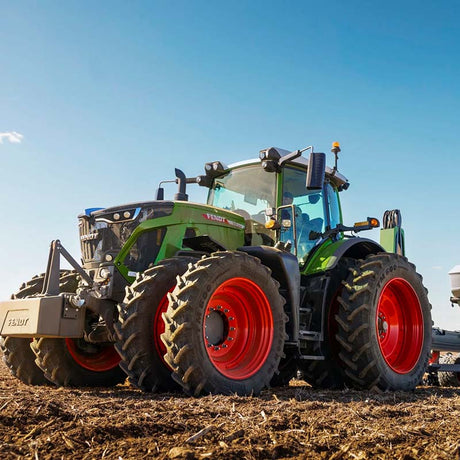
(68, 325)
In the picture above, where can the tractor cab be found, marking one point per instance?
(277, 203)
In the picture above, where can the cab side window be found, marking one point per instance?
(335, 214)
(310, 212)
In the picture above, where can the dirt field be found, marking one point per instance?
(292, 422)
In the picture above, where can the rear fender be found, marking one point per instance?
(327, 256)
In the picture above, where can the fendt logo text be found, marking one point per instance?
(17, 322)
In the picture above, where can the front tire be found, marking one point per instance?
(225, 326)
(77, 363)
(385, 324)
(141, 324)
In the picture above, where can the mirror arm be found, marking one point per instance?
(293, 155)
(289, 157)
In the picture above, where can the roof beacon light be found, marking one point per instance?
(335, 150)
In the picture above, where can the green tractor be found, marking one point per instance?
(228, 297)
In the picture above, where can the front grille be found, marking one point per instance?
(104, 232)
(88, 243)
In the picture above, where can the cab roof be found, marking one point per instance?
(338, 179)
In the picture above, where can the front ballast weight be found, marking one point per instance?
(49, 314)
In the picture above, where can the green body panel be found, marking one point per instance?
(225, 227)
(323, 258)
(389, 239)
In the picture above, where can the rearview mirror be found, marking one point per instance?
(160, 195)
(316, 171)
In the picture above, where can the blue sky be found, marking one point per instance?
(111, 96)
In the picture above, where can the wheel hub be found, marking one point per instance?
(238, 328)
(216, 327)
(382, 326)
(219, 328)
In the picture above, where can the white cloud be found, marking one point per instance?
(437, 267)
(13, 137)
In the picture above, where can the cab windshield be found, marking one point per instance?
(248, 191)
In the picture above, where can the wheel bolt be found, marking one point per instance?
(231, 318)
(229, 339)
(232, 328)
(226, 310)
(224, 346)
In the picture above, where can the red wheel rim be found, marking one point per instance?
(94, 357)
(399, 324)
(159, 327)
(238, 328)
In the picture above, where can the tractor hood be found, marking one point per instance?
(133, 234)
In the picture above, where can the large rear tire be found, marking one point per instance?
(75, 362)
(384, 324)
(225, 326)
(17, 352)
(141, 324)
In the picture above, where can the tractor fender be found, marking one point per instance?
(327, 256)
(356, 248)
(285, 270)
